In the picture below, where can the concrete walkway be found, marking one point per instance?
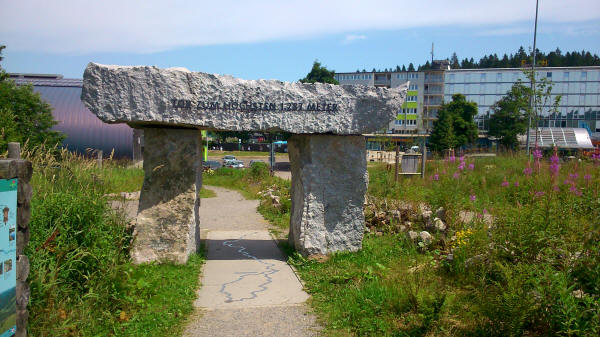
(248, 289)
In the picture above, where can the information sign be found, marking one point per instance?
(8, 257)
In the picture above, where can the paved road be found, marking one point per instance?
(247, 287)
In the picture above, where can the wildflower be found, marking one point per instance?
(537, 153)
(461, 166)
(556, 188)
(472, 197)
(504, 183)
(436, 177)
(539, 193)
(452, 158)
(567, 182)
(527, 171)
(462, 158)
(573, 176)
(471, 166)
(455, 175)
(587, 178)
(554, 164)
(516, 184)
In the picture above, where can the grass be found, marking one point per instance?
(534, 271)
(82, 282)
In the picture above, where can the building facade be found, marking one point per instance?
(84, 132)
(578, 87)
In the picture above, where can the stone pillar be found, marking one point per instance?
(22, 170)
(329, 182)
(167, 224)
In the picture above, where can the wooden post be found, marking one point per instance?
(14, 150)
(100, 153)
(397, 162)
(423, 158)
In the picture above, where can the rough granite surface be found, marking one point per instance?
(142, 95)
(167, 224)
(329, 182)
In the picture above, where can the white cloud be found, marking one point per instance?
(142, 26)
(353, 37)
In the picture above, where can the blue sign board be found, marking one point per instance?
(8, 257)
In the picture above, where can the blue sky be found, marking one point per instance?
(280, 40)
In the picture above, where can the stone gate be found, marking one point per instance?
(327, 149)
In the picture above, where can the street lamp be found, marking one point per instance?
(532, 99)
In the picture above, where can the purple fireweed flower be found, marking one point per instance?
(436, 177)
(527, 171)
(556, 188)
(554, 164)
(461, 166)
(537, 153)
(587, 177)
(573, 176)
(452, 158)
(567, 182)
(462, 158)
(504, 183)
(539, 193)
(471, 166)
(455, 175)
(472, 197)
(516, 184)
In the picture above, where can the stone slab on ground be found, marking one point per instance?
(145, 95)
(247, 287)
(246, 269)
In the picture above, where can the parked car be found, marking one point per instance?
(228, 157)
(234, 163)
(211, 164)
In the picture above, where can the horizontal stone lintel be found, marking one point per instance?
(145, 96)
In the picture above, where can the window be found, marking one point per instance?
(411, 98)
(451, 77)
(584, 75)
(482, 78)
(549, 74)
(413, 87)
(566, 76)
(467, 77)
(499, 77)
(398, 122)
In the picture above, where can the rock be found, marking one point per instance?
(450, 257)
(275, 201)
(130, 195)
(578, 293)
(408, 224)
(441, 213)
(426, 216)
(425, 237)
(439, 225)
(167, 224)
(327, 194)
(475, 260)
(379, 234)
(466, 216)
(144, 95)
(412, 235)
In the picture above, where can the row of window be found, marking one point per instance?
(409, 122)
(354, 77)
(413, 87)
(411, 98)
(409, 110)
(514, 76)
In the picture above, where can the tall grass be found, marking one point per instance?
(82, 283)
(534, 270)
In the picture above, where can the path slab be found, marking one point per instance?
(246, 269)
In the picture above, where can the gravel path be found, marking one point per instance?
(247, 287)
